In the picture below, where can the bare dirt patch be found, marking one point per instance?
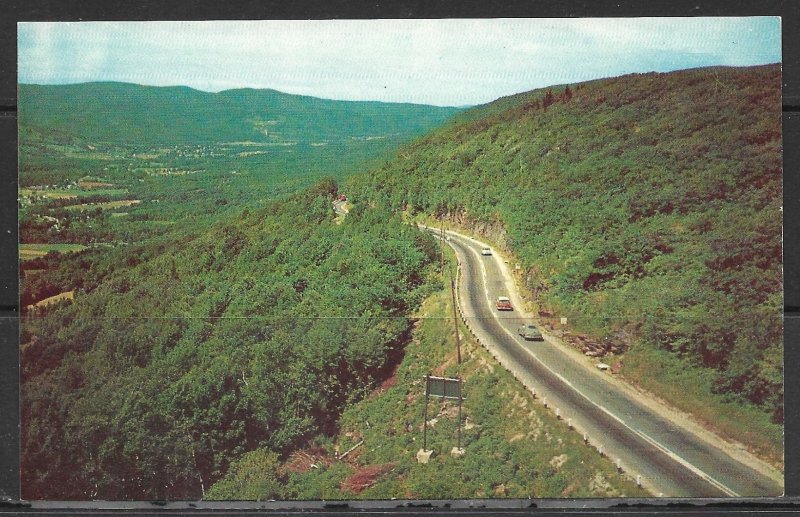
(559, 460)
(450, 410)
(599, 485)
(305, 460)
(365, 477)
(387, 383)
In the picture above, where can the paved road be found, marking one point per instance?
(671, 460)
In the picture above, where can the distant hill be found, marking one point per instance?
(128, 113)
(646, 208)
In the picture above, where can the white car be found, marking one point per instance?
(486, 250)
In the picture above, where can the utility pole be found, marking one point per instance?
(425, 418)
(441, 239)
(460, 400)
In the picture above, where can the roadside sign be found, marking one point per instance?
(444, 387)
(447, 388)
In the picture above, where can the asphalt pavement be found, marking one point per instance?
(668, 458)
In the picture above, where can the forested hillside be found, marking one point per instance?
(103, 165)
(129, 113)
(645, 208)
(176, 357)
(214, 318)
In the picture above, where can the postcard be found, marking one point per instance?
(401, 259)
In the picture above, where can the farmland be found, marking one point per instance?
(108, 205)
(70, 193)
(29, 251)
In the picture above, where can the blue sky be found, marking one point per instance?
(443, 62)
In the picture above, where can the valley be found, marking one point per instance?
(212, 317)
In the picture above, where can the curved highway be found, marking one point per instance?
(670, 459)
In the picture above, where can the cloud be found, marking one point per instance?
(453, 62)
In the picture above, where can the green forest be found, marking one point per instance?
(645, 208)
(188, 354)
(222, 321)
(215, 304)
(125, 113)
(512, 446)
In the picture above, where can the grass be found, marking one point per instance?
(109, 205)
(688, 389)
(513, 446)
(30, 251)
(49, 193)
(68, 295)
(94, 185)
(71, 193)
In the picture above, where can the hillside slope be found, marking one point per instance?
(177, 356)
(129, 113)
(645, 208)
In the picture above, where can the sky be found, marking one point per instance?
(442, 62)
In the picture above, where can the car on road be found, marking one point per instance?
(530, 332)
(503, 304)
(486, 250)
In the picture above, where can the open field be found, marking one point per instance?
(30, 251)
(68, 295)
(94, 184)
(109, 205)
(49, 194)
(71, 193)
(169, 171)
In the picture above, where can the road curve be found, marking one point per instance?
(671, 460)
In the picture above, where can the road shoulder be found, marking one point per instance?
(651, 401)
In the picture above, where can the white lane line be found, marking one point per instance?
(639, 433)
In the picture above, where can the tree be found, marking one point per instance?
(548, 99)
(254, 477)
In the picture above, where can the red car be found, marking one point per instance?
(504, 304)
